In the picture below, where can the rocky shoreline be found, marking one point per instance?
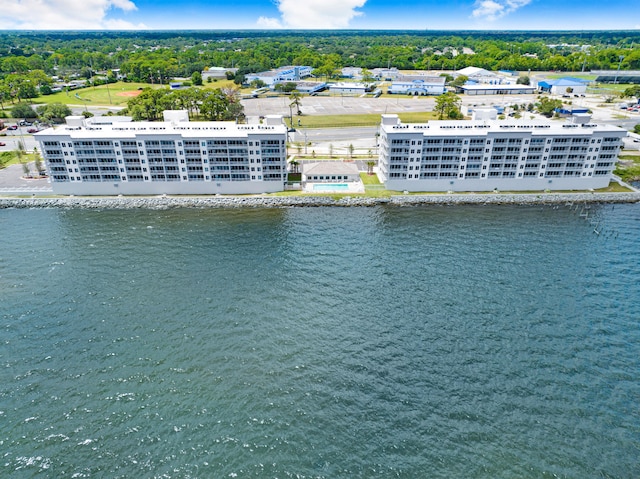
(267, 201)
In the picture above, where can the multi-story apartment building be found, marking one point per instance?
(487, 155)
(87, 157)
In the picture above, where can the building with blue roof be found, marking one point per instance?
(563, 86)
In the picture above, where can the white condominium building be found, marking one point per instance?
(504, 155)
(87, 157)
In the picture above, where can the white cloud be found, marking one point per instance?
(64, 14)
(494, 9)
(267, 22)
(312, 14)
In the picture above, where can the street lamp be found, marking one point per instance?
(618, 71)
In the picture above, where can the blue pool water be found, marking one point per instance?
(331, 187)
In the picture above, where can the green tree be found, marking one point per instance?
(54, 113)
(196, 78)
(147, 105)
(296, 100)
(370, 165)
(636, 129)
(523, 80)
(23, 110)
(38, 162)
(632, 91)
(448, 106)
(447, 78)
(257, 83)
(25, 168)
(285, 87)
(5, 94)
(547, 106)
(219, 105)
(214, 106)
(368, 79)
(460, 80)
(235, 111)
(21, 87)
(238, 78)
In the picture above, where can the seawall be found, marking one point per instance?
(267, 201)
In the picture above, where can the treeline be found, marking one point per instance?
(158, 56)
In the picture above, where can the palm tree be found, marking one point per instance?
(296, 100)
(370, 165)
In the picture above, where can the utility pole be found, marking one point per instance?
(618, 71)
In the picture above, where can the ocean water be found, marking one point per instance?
(439, 342)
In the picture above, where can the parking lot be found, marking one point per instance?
(349, 105)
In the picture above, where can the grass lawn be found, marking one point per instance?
(608, 88)
(369, 179)
(614, 187)
(8, 158)
(628, 168)
(581, 76)
(95, 96)
(115, 94)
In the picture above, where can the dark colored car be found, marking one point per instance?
(12, 127)
(32, 130)
(2, 143)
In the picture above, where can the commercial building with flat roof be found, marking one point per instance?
(504, 155)
(176, 156)
(348, 88)
(506, 89)
(418, 85)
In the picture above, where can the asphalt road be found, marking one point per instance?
(12, 137)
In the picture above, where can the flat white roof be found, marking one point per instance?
(330, 168)
(482, 128)
(162, 128)
(506, 86)
(347, 85)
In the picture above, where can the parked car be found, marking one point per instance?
(12, 127)
(32, 130)
(2, 143)
(25, 123)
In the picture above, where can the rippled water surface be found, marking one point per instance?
(440, 342)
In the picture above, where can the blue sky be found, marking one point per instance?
(321, 14)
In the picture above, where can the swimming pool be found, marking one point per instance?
(330, 186)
